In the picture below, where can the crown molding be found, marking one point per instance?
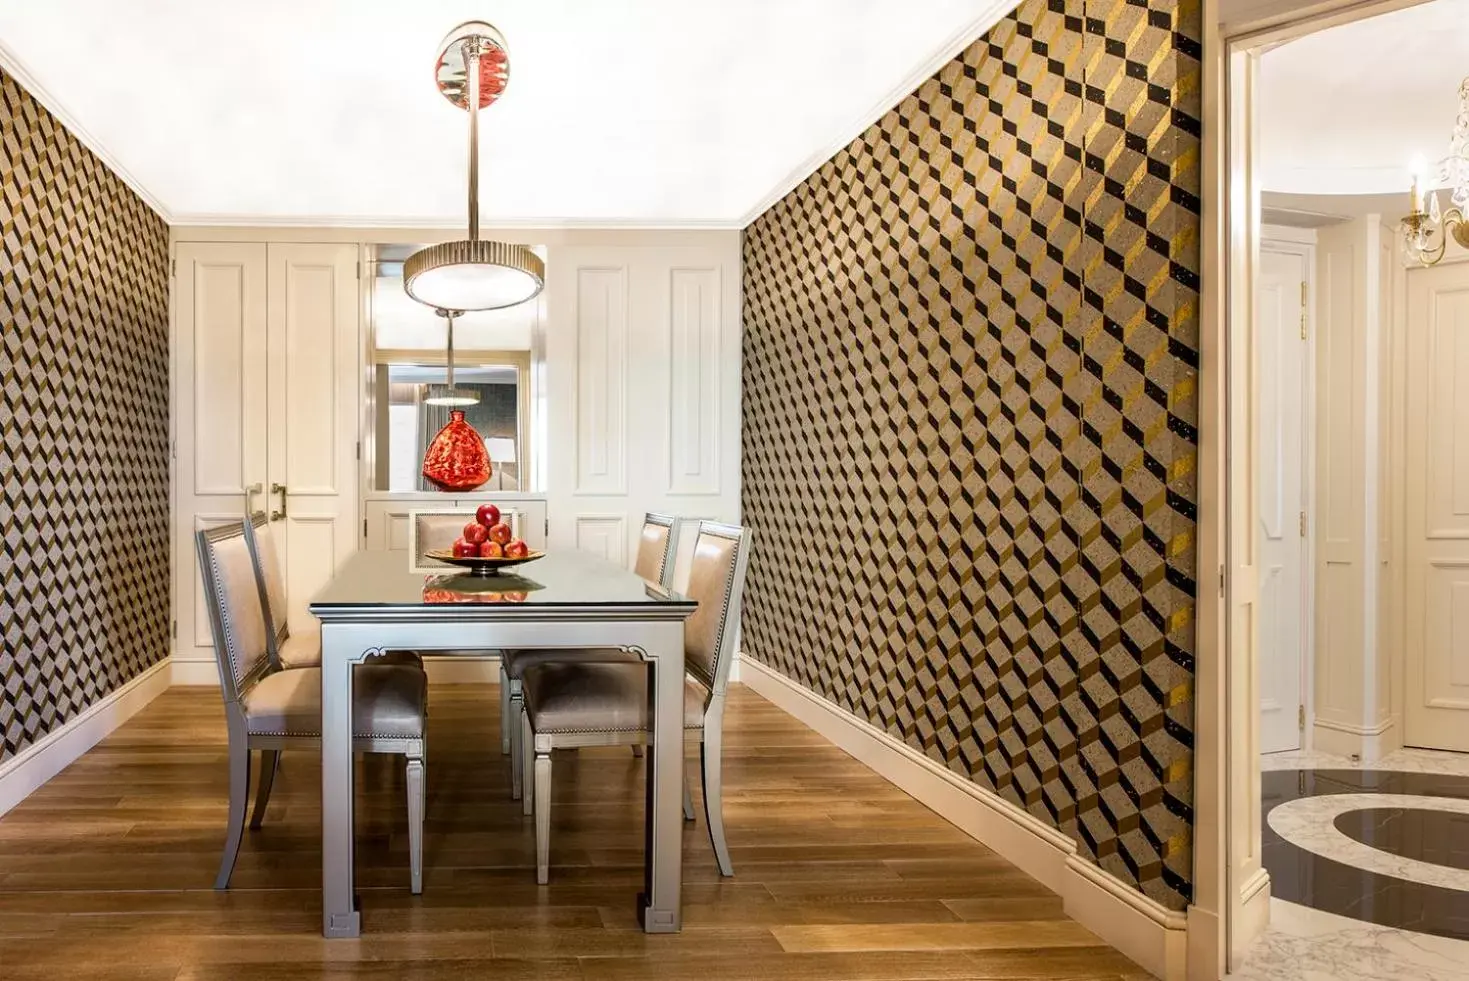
(438, 223)
(987, 17)
(16, 69)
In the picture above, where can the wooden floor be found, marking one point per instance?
(106, 871)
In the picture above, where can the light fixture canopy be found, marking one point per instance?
(1428, 227)
(472, 71)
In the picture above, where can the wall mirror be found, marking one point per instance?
(494, 354)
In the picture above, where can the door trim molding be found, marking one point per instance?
(1144, 930)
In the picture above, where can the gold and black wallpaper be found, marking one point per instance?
(84, 585)
(970, 364)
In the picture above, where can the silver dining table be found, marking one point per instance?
(565, 599)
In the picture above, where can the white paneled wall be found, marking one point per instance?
(643, 382)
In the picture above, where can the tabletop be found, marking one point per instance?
(570, 578)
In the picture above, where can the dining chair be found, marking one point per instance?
(271, 709)
(657, 546)
(570, 704)
(287, 651)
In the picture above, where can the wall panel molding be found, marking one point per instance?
(601, 380)
(695, 332)
(604, 535)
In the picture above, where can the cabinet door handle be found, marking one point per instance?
(250, 493)
(281, 490)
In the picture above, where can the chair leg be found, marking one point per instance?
(517, 750)
(688, 800)
(527, 763)
(269, 763)
(239, 800)
(415, 824)
(543, 816)
(505, 730)
(709, 760)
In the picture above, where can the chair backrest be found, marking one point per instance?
(717, 582)
(436, 529)
(236, 618)
(657, 545)
(266, 559)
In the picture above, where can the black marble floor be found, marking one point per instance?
(1436, 837)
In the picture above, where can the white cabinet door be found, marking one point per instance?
(643, 389)
(1436, 614)
(314, 389)
(219, 406)
(1284, 606)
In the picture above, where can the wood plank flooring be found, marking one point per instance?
(106, 872)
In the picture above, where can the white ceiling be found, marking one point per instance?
(652, 112)
(1347, 110)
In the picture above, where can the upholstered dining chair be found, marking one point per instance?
(287, 651)
(270, 708)
(657, 546)
(569, 704)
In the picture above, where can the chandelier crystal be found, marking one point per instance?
(1429, 226)
(472, 72)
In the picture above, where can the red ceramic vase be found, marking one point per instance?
(457, 459)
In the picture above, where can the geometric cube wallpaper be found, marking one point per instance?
(84, 582)
(969, 434)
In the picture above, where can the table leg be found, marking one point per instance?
(339, 900)
(659, 907)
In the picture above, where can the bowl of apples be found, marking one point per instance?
(486, 545)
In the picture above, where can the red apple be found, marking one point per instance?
(500, 533)
(475, 533)
(487, 515)
(465, 550)
(491, 550)
(516, 549)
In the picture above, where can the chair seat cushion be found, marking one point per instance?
(562, 697)
(388, 701)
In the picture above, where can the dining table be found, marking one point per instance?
(565, 599)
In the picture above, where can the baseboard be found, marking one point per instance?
(1253, 916)
(441, 671)
(54, 752)
(1362, 742)
(1144, 930)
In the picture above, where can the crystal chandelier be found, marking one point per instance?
(472, 72)
(1428, 228)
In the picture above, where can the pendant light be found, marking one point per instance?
(447, 394)
(472, 72)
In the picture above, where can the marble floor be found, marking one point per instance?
(1369, 868)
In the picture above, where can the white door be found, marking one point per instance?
(219, 404)
(1284, 599)
(1436, 614)
(315, 381)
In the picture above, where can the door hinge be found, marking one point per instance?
(546, 529)
(173, 267)
(364, 529)
(1304, 309)
(359, 268)
(359, 449)
(1221, 580)
(1303, 524)
(173, 629)
(1301, 717)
